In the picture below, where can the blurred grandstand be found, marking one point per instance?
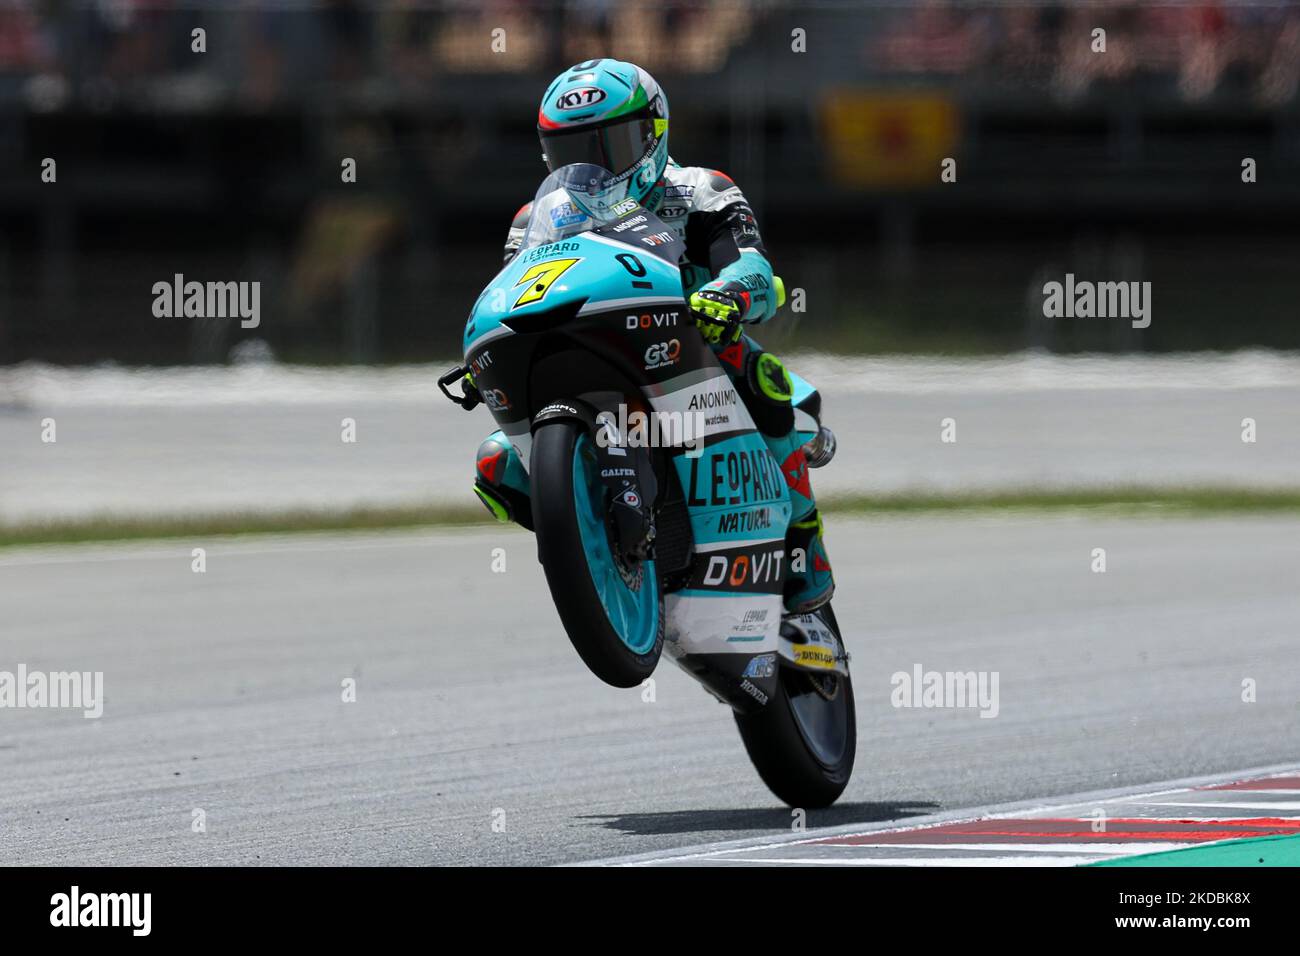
(225, 165)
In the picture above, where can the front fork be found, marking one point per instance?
(627, 472)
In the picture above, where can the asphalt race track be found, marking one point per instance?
(223, 691)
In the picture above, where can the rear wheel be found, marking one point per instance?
(610, 606)
(803, 742)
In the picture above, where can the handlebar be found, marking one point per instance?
(469, 397)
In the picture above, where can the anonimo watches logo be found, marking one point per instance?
(580, 98)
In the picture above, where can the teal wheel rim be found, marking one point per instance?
(631, 601)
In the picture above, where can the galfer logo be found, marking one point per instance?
(580, 98)
(662, 354)
(658, 320)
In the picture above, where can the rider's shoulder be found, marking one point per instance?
(518, 226)
(707, 189)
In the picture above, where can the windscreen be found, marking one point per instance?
(573, 199)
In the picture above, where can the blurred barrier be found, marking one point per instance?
(887, 139)
(225, 166)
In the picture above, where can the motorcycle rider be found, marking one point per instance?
(615, 115)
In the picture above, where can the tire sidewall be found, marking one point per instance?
(561, 552)
(779, 751)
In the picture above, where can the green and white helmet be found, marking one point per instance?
(610, 114)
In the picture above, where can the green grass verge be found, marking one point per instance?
(1143, 501)
(122, 528)
(1153, 501)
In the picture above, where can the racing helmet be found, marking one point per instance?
(610, 114)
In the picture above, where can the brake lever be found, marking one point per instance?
(469, 398)
(729, 326)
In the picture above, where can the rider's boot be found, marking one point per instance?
(501, 482)
(809, 581)
(811, 587)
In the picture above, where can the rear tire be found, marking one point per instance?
(577, 554)
(801, 743)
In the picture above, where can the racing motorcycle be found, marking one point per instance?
(659, 513)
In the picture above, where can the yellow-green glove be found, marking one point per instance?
(718, 314)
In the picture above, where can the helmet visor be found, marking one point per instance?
(617, 146)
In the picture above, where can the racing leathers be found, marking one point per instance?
(728, 281)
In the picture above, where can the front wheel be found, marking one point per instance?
(803, 742)
(610, 606)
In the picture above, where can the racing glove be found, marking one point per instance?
(719, 310)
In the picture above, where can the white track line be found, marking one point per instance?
(1044, 860)
(1096, 849)
(1202, 804)
(1141, 793)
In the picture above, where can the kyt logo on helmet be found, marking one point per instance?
(607, 114)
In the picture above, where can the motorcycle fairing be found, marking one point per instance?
(600, 312)
(807, 407)
(807, 643)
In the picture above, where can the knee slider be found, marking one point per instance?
(769, 383)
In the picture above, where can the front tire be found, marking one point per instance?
(611, 609)
(803, 742)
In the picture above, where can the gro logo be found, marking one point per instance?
(663, 354)
(495, 399)
(579, 98)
